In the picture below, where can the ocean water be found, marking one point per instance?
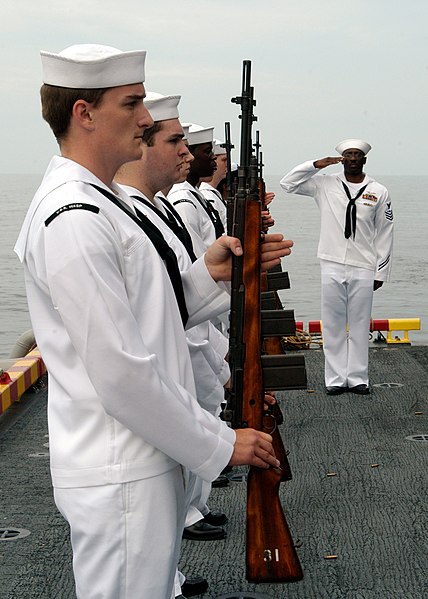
(16, 192)
(405, 296)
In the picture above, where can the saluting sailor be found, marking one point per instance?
(355, 250)
(109, 325)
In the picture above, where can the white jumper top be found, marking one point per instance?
(121, 390)
(207, 345)
(198, 222)
(214, 196)
(372, 246)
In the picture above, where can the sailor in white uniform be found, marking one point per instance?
(200, 216)
(355, 251)
(208, 186)
(164, 153)
(109, 325)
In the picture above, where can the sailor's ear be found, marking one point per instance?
(82, 113)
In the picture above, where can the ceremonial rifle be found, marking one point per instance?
(260, 181)
(270, 551)
(229, 179)
(274, 324)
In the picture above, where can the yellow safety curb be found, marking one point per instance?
(22, 374)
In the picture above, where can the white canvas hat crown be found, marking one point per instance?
(185, 127)
(359, 144)
(199, 135)
(162, 108)
(93, 66)
(217, 147)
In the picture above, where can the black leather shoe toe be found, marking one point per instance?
(215, 518)
(336, 390)
(201, 531)
(194, 586)
(360, 390)
(221, 481)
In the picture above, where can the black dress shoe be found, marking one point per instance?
(194, 586)
(360, 390)
(215, 518)
(201, 531)
(336, 390)
(221, 481)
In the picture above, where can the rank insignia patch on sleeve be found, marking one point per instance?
(388, 211)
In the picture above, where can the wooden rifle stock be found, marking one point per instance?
(271, 555)
(270, 551)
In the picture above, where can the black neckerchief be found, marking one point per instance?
(212, 213)
(162, 248)
(216, 192)
(173, 223)
(351, 211)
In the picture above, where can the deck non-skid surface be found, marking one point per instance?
(358, 492)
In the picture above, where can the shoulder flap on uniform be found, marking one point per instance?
(77, 206)
(184, 200)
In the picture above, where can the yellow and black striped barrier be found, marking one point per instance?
(390, 326)
(19, 377)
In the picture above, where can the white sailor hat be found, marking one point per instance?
(217, 147)
(359, 144)
(199, 135)
(185, 127)
(162, 108)
(92, 66)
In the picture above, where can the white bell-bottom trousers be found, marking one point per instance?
(346, 304)
(126, 537)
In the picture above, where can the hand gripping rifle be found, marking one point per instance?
(270, 551)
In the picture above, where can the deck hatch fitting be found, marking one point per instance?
(244, 595)
(12, 534)
(237, 477)
(388, 385)
(40, 454)
(423, 438)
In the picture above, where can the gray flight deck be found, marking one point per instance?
(356, 507)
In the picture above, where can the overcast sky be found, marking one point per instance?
(323, 71)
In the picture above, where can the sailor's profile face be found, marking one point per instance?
(185, 167)
(221, 165)
(169, 154)
(204, 164)
(120, 121)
